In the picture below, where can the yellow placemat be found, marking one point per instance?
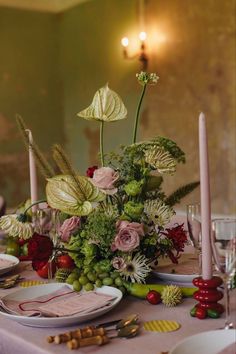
(28, 283)
(161, 326)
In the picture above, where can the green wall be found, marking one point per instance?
(30, 85)
(52, 64)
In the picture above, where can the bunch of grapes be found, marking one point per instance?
(91, 277)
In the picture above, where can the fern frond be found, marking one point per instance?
(42, 163)
(64, 165)
(180, 193)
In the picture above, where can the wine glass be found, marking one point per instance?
(224, 253)
(47, 223)
(194, 229)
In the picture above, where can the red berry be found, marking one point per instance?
(153, 297)
(201, 313)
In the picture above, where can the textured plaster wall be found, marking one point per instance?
(67, 57)
(30, 85)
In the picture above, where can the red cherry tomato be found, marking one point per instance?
(153, 297)
(201, 313)
(43, 272)
(65, 261)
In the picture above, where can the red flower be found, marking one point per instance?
(90, 171)
(178, 237)
(40, 247)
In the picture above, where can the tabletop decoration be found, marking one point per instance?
(114, 218)
(208, 295)
(161, 326)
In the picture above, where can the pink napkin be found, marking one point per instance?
(63, 302)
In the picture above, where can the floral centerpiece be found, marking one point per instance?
(114, 220)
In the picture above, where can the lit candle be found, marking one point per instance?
(205, 200)
(33, 174)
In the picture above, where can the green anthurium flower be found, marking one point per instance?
(107, 106)
(72, 198)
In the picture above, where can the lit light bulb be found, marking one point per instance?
(125, 42)
(142, 36)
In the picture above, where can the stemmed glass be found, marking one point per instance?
(194, 229)
(224, 253)
(48, 223)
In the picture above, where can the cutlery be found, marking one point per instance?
(125, 332)
(10, 282)
(91, 331)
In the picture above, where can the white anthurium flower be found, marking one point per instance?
(72, 198)
(106, 106)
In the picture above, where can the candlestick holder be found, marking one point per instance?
(208, 296)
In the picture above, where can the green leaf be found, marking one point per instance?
(107, 106)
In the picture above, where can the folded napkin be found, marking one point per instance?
(63, 302)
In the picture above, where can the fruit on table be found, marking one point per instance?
(141, 290)
(153, 297)
(43, 272)
(13, 248)
(65, 261)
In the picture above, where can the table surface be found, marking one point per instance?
(18, 339)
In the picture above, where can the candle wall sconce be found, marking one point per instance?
(141, 55)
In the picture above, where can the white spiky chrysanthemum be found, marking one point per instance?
(160, 159)
(136, 269)
(158, 212)
(12, 226)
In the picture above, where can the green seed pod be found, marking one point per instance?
(171, 295)
(62, 274)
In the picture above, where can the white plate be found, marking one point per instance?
(212, 342)
(15, 261)
(39, 290)
(184, 272)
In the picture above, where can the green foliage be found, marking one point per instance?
(180, 193)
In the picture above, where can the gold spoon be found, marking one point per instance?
(125, 332)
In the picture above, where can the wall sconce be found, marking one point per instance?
(142, 55)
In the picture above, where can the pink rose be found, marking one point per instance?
(118, 263)
(104, 178)
(128, 236)
(68, 227)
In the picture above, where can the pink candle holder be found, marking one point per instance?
(208, 296)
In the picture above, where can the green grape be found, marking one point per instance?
(76, 285)
(91, 276)
(98, 283)
(86, 269)
(71, 278)
(103, 275)
(97, 268)
(76, 271)
(83, 280)
(88, 287)
(119, 281)
(122, 289)
(114, 275)
(107, 281)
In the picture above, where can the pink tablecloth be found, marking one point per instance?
(18, 339)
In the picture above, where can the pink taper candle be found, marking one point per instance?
(205, 200)
(33, 174)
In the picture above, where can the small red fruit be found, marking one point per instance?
(201, 313)
(153, 297)
(65, 261)
(43, 272)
